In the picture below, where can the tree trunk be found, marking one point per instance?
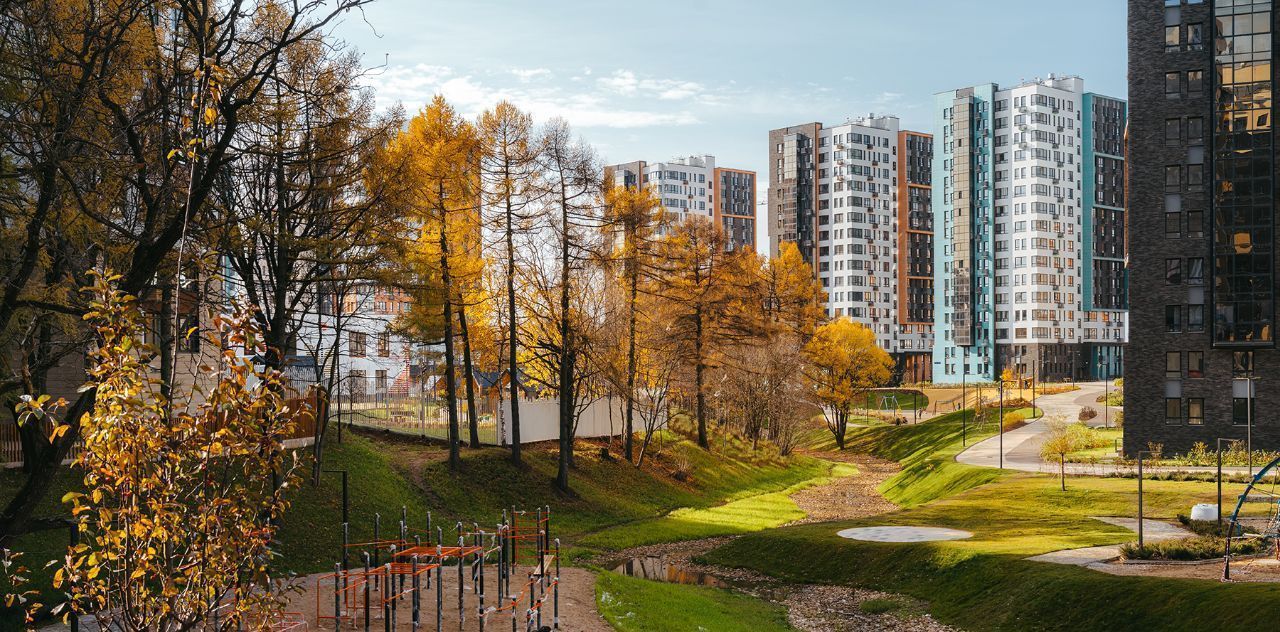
(513, 373)
(698, 368)
(566, 351)
(450, 378)
(632, 275)
(1062, 470)
(167, 343)
(472, 419)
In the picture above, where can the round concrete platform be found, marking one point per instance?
(904, 534)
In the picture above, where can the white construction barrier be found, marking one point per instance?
(540, 420)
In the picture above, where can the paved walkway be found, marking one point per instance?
(1152, 531)
(1022, 446)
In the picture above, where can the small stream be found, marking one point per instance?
(659, 569)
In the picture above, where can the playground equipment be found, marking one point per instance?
(513, 573)
(1266, 524)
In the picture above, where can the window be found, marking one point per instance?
(1195, 271)
(1242, 410)
(1195, 318)
(384, 344)
(1195, 411)
(1172, 176)
(1173, 271)
(1195, 175)
(1172, 410)
(1242, 363)
(356, 344)
(1172, 84)
(1173, 319)
(1173, 364)
(1195, 36)
(1195, 223)
(1172, 131)
(1195, 81)
(1195, 130)
(380, 380)
(1195, 364)
(1172, 38)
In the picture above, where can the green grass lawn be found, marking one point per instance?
(638, 605)
(753, 513)
(906, 400)
(926, 451)
(986, 583)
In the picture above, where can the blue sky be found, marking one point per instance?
(655, 80)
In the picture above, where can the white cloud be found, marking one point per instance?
(525, 75)
(626, 82)
(586, 105)
(621, 81)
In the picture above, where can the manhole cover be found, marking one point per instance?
(904, 534)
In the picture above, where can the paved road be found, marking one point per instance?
(1022, 446)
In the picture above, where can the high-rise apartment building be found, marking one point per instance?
(855, 198)
(695, 186)
(1202, 187)
(1029, 221)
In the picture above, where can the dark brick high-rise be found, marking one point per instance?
(1202, 171)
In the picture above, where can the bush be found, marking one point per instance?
(1119, 383)
(1201, 455)
(1087, 413)
(1200, 547)
(1117, 419)
(1014, 420)
(1085, 438)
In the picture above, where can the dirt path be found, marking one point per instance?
(814, 608)
(849, 497)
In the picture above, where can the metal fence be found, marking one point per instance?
(414, 415)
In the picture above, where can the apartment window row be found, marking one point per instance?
(1194, 271)
(1179, 82)
(1175, 323)
(1174, 411)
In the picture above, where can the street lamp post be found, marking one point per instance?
(1220, 440)
(1248, 412)
(1140, 538)
(1106, 392)
(1000, 419)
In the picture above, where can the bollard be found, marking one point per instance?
(428, 526)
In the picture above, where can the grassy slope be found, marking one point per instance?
(985, 583)
(386, 475)
(607, 493)
(637, 605)
(745, 515)
(927, 453)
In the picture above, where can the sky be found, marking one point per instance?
(656, 80)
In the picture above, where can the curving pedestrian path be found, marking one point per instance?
(1022, 446)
